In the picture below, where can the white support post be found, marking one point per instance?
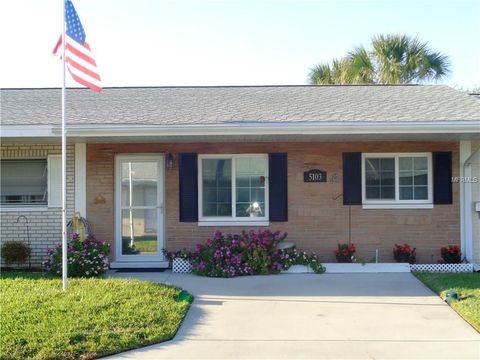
(465, 202)
(81, 179)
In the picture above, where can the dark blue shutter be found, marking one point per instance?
(188, 182)
(278, 186)
(442, 177)
(352, 178)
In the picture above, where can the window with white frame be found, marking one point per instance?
(24, 182)
(233, 187)
(397, 178)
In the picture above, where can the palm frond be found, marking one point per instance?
(321, 74)
(362, 70)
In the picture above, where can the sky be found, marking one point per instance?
(168, 43)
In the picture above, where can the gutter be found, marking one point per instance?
(245, 129)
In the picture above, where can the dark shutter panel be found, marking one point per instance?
(442, 177)
(278, 186)
(352, 178)
(188, 179)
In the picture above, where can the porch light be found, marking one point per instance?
(170, 161)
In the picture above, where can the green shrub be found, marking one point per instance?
(15, 251)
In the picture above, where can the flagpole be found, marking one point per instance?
(64, 162)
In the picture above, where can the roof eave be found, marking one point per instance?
(245, 129)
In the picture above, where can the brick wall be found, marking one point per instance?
(316, 221)
(45, 226)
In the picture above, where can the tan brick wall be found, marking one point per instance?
(316, 221)
(45, 226)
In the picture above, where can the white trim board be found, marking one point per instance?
(247, 128)
(139, 265)
(81, 179)
(366, 268)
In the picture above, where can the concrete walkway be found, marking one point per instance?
(308, 316)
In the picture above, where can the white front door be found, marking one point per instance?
(139, 193)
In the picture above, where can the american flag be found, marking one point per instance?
(78, 55)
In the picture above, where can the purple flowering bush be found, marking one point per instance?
(88, 258)
(250, 253)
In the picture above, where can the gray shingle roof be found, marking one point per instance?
(239, 104)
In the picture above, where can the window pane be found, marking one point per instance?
(380, 178)
(421, 192)
(217, 187)
(387, 164)
(406, 193)
(420, 163)
(387, 192)
(420, 179)
(140, 180)
(250, 192)
(139, 232)
(405, 163)
(23, 182)
(373, 192)
(413, 178)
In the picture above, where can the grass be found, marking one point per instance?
(468, 287)
(95, 317)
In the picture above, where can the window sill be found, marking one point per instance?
(397, 206)
(233, 223)
(5, 208)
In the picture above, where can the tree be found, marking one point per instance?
(393, 59)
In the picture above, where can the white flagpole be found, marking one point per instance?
(64, 163)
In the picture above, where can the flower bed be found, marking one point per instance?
(85, 258)
(249, 253)
(442, 267)
(345, 253)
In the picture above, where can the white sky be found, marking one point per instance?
(153, 42)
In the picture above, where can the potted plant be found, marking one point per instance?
(15, 252)
(345, 252)
(451, 254)
(180, 260)
(404, 253)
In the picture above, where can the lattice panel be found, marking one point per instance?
(442, 267)
(181, 266)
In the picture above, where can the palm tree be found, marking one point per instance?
(394, 59)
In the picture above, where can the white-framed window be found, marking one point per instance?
(403, 179)
(24, 182)
(233, 188)
(30, 183)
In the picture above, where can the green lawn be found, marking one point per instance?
(468, 287)
(95, 317)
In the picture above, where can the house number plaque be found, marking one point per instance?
(315, 175)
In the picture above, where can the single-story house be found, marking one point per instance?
(164, 167)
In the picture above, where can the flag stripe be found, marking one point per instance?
(59, 43)
(81, 74)
(84, 82)
(80, 54)
(83, 69)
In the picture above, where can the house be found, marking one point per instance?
(164, 167)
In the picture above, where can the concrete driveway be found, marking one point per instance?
(308, 316)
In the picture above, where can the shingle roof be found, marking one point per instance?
(239, 104)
